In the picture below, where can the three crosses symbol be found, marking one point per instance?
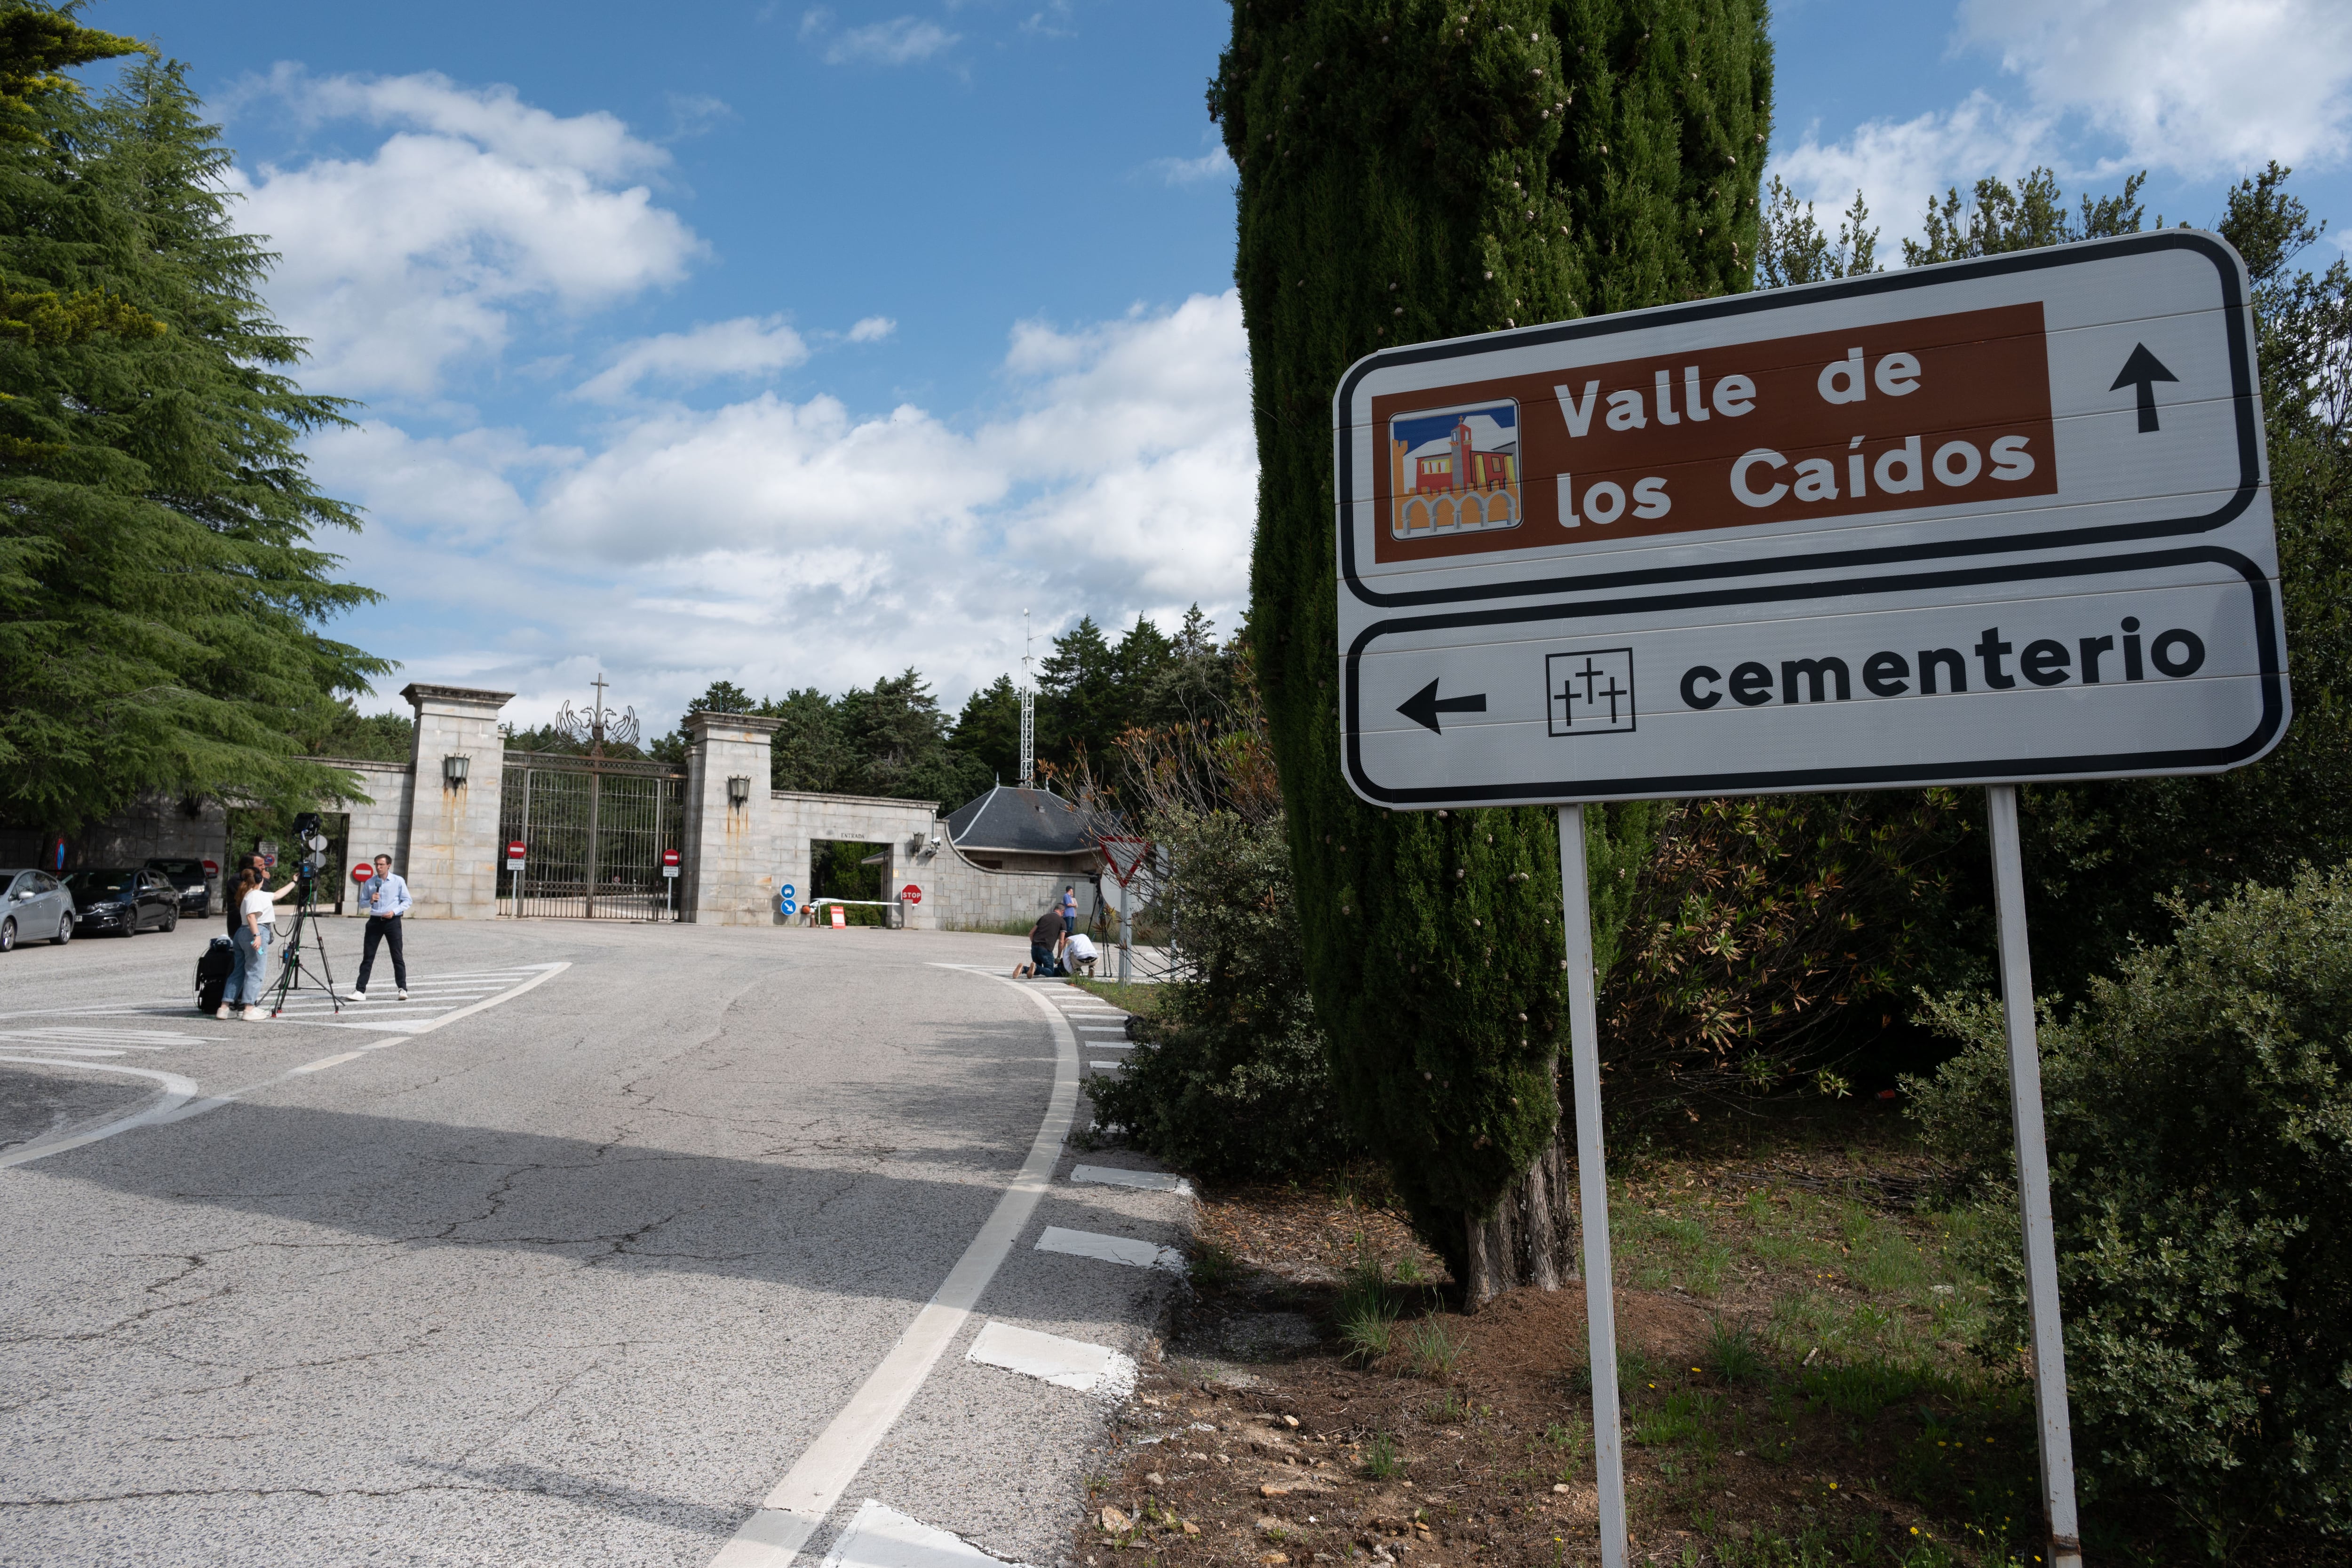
(1593, 696)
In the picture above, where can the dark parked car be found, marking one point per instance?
(188, 876)
(124, 900)
(34, 908)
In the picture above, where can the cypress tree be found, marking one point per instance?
(159, 595)
(1410, 171)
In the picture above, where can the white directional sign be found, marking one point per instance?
(1998, 520)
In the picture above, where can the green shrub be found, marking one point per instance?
(2199, 1123)
(1230, 1077)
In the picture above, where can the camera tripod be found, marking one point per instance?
(294, 966)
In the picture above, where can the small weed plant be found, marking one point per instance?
(1433, 1349)
(1382, 1461)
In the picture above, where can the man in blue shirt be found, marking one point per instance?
(385, 898)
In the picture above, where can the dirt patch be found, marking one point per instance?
(1790, 1338)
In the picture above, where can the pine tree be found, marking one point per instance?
(162, 599)
(988, 730)
(1411, 171)
(808, 751)
(1077, 689)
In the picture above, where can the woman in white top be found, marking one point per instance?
(256, 928)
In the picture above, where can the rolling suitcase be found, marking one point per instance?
(212, 970)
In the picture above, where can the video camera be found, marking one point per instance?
(314, 843)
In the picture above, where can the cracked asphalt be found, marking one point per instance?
(571, 1279)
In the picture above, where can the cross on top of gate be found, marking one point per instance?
(599, 724)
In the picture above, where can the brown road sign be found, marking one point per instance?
(2002, 519)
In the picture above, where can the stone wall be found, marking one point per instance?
(968, 898)
(380, 826)
(157, 825)
(800, 820)
(450, 856)
(730, 876)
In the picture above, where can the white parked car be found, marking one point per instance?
(37, 907)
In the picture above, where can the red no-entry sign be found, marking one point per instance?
(362, 872)
(911, 893)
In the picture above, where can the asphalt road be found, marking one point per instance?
(572, 1259)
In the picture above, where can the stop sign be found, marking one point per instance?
(911, 893)
(362, 872)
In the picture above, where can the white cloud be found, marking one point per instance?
(1899, 165)
(872, 329)
(401, 265)
(904, 40)
(783, 543)
(1213, 165)
(2203, 86)
(747, 345)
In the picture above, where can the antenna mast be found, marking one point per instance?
(1028, 708)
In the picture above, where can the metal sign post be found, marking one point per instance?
(516, 849)
(2057, 1439)
(1125, 854)
(1990, 522)
(1592, 1185)
(669, 884)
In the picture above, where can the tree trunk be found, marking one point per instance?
(1529, 1239)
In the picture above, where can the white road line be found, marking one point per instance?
(1099, 1065)
(177, 1092)
(1124, 1249)
(878, 1537)
(1151, 1181)
(326, 1061)
(791, 1512)
(178, 1103)
(1065, 1363)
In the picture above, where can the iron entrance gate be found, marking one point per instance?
(593, 831)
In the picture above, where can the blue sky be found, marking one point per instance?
(794, 344)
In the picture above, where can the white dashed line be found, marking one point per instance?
(1065, 1363)
(1125, 1250)
(1151, 1181)
(880, 1537)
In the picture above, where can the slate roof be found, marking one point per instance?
(1013, 821)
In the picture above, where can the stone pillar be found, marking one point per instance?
(730, 870)
(449, 851)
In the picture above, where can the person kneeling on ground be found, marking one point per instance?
(1043, 938)
(1078, 954)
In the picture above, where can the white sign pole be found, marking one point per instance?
(2034, 1184)
(1592, 1183)
(1126, 956)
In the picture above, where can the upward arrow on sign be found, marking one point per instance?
(2143, 371)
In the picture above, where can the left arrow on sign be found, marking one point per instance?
(1423, 706)
(2143, 371)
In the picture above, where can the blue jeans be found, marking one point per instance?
(1042, 958)
(247, 981)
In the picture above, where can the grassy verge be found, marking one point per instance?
(1794, 1338)
(1135, 999)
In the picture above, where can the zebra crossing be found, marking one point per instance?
(85, 1040)
(76, 1035)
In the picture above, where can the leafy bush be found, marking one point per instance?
(1230, 1076)
(1760, 931)
(2200, 1121)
